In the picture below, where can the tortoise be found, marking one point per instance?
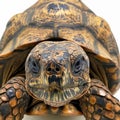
(58, 57)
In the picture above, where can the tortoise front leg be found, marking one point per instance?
(13, 99)
(99, 103)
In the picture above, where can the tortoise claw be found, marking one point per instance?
(99, 103)
(13, 99)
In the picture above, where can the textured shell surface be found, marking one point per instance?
(67, 36)
(68, 20)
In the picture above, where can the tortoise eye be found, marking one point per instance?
(33, 65)
(78, 65)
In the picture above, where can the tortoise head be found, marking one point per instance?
(57, 72)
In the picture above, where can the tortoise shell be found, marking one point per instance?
(60, 20)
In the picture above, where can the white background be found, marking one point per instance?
(108, 9)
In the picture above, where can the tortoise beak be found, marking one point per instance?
(54, 83)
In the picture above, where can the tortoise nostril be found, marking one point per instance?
(57, 69)
(49, 69)
(53, 68)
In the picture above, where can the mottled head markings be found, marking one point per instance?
(63, 74)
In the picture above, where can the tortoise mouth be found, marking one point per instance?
(55, 94)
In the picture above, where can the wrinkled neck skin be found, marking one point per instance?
(57, 73)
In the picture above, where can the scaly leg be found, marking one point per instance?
(99, 103)
(13, 99)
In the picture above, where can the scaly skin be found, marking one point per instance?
(99, 103)
(13, 99)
